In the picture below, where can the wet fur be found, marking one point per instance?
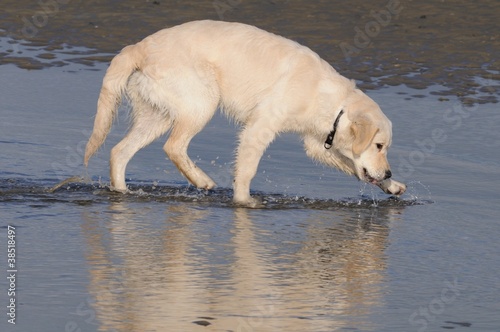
(177, 78)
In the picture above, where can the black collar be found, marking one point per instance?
(329, 140)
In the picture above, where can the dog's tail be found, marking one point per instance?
(113, 86)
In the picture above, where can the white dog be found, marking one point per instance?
(177, 78)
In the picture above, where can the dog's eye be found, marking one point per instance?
(380, 146)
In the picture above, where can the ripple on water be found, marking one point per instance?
(84, 192)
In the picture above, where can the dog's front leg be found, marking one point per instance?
(254, 140)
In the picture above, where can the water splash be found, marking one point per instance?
(83, 191)
(413, 191)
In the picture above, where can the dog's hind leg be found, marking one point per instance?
(184, 129)
(148, 124)
(195, 102)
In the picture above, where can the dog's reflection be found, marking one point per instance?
(230, 270)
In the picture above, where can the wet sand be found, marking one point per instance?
(454, 43)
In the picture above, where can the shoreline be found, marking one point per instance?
(391, 42)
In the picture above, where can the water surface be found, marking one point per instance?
(327, 253)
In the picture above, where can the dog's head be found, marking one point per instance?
(371, 134)
(362, 139)
(366, 138)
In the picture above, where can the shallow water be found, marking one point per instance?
(326, 253)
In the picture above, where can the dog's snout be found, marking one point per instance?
(388, 174)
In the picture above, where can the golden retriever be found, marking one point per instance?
(178, 77)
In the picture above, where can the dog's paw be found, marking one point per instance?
(210, 185)
(249, 202)
(204, 182)
(119, 189)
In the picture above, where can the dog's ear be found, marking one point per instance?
(363, 131)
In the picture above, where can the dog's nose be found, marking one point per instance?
(388, 174)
